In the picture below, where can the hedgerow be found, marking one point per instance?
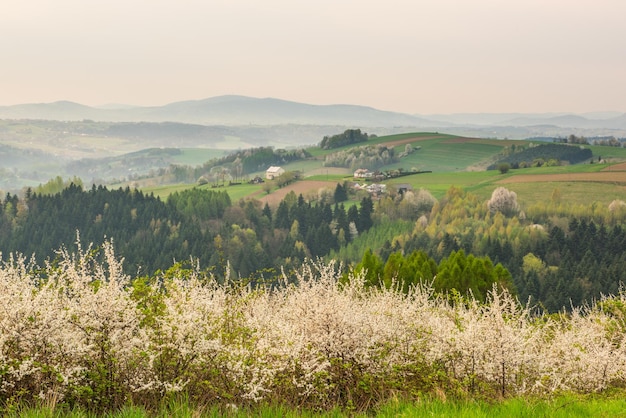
(78, 332)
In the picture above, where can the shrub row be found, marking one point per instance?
(79, 332)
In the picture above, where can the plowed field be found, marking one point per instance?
(300, 187)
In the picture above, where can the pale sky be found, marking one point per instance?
(413, 56)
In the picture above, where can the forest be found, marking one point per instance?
(554, 254)
(539, 155)
(348, 137)
(204, 224)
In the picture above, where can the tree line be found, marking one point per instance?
(348, 137)
(538, 155)
(152, 234)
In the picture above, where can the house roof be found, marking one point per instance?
(274, 169)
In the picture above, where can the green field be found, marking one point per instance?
(579, 193)
(197, 156)
(438, 155)
(608, 152)
(453, 161)
(438, 183)
(237, 191)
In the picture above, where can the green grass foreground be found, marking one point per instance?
(565, 406)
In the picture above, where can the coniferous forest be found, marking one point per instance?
(205, 225)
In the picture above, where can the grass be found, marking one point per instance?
(481, 183)
(563, 406)
(305, 165)
(163, 191)
(608, 152)
(438, 155)
(238, 191)
(448, 158)
(320, 153)
(197, 156)
(574, 192)
(439, 183)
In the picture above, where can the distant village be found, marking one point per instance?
(371, 179)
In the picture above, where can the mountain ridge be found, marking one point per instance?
(220, 110)
(237, 110)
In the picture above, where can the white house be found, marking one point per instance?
(273, 172)
(362, 173)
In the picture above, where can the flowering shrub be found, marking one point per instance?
(79, 332)
(503, 200)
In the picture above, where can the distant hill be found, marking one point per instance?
(597, 120)
(222, 110)
(571, 121)
(232, 110)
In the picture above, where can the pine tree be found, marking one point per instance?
(365, 214)
(341, 194)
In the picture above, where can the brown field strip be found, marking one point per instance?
(616, 167)
(617, 177)
(299, 187)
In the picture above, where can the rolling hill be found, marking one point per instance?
(236, 110)
(222, 110)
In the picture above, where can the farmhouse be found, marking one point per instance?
(273, 172)
(362, 173)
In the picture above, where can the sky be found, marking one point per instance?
(412, 56)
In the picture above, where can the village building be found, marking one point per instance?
(274, 172)
(362, 173)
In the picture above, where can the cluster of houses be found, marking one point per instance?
(375, 189)
(378, 189)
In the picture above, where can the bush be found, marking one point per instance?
(504, 168)
(81, 334)
(504, 201)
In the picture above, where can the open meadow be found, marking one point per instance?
(452, 161)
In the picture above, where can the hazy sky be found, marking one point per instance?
(414, 56)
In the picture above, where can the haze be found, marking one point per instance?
(439, 56)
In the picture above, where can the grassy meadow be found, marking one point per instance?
(456, 164)
(197, 156)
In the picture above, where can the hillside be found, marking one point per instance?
(451, 161)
